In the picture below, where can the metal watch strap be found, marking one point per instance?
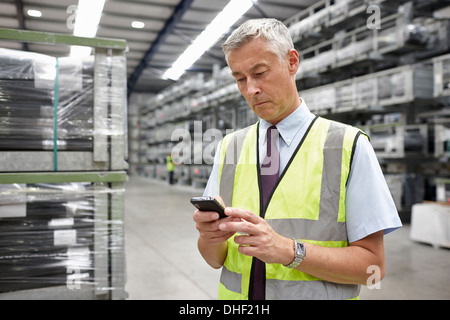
(300, 254)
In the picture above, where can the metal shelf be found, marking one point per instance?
(62, 177)
(55, 38)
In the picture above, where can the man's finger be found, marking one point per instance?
(242, 227)
(244, 214)
(205, 216)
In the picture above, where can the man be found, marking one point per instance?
(317, 231)
(170, 165)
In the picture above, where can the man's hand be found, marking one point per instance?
(259, 239)
(207, 224)
(212, 241)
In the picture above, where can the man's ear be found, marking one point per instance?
(294, 61)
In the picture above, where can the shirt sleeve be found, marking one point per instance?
(369, 204)
(212, 186)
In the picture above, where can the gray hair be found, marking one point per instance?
(273, 31)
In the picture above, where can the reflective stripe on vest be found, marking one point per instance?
(315, 177)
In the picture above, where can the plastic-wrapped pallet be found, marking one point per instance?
(63, 238)
(62, 114)
(27, 86)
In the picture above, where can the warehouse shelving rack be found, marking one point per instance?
(366, 46)
(103, 168)
(403, 69)
(327, 15)
(375, 91)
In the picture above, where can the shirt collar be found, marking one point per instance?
(289, 126)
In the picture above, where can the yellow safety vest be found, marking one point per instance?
(169, 164)
(307, 204)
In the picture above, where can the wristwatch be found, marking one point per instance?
(300, 254)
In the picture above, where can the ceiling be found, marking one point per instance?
(170, 25)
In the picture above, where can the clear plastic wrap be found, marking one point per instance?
(31, 87)
(67, 236)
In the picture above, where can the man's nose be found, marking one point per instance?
(252, 88)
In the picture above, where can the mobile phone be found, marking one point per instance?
(208, 204)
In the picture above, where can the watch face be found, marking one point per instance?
(300, 254)
(300, 249)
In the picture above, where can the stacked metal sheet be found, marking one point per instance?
(34, 88)
(55, 235)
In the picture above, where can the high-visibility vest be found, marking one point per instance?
(169, 164)
(307, 204)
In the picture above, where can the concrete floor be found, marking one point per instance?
(163, 262)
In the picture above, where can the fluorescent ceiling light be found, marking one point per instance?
(212, 33)
(34, 13)
(80, 51)
(86, 23)
(138, 24)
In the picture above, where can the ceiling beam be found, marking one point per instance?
(260, 10)
(178, 13)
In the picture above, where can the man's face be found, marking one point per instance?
(267, 84)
